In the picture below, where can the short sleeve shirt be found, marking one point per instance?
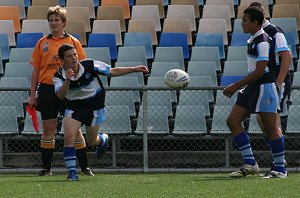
(45, 55)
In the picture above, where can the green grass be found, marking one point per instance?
(148, 185)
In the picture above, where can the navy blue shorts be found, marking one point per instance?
(259, 98)
(87, 118)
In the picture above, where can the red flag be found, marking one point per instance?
(32, 113)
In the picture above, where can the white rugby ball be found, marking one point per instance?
(177, 79)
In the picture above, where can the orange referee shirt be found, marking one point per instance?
(45, 55)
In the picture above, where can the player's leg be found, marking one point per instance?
(48, 106)
(94, 138)
(267, 108)
(276, 143)
(240, 137)
(81, 154)
(71, 127)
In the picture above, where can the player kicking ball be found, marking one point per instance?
(79, 85)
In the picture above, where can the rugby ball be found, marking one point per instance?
(177, 79)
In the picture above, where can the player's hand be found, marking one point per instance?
(69, 74)
(32, 101)
(230, 90)
(141, 68)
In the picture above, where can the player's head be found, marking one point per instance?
(259, 5)
(252, 19)
(68, 55)
(57, 12)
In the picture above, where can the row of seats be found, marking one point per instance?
(188, 120)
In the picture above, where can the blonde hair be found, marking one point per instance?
(57, 10)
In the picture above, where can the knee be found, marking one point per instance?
(69, 138)
(229, 122)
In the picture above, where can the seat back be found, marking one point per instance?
(122, 3)
(11, 13)
(20, 55)
(35, 25)
(112, 13)
(7, 27)
(27, 40)
(104, 40)
(143, 25)
(109, 26)
(147, 12)
(140, 39)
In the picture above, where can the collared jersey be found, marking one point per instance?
(261, 48)
(45, 55)
(86, 91)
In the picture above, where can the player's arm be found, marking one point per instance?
(286, 58)
(251, 78)
(119, 71)
(61, 88)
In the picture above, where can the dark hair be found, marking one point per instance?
(255, 14)
(257, 4)
(63, 49)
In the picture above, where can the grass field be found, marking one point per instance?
(148, 185)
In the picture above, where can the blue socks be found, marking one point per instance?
(277, 147)
(70, 159)
(243, 143)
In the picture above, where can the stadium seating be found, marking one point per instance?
(203, 68)
(195, 4)
(132, 54)
(98, 53)
(229, 3)
(118, 120)
(1, 64)
(147, 12)
(237, 53)
(227, 80)
(218, 12)
(157, 120)
(112, 13)
(222, 100)
(7, 27)
(83, 16)
(11, 13)
(144, 25)
(27, 40)
(140, 39)
(37, 12)
(287, 11)
(75, 27)
(108, 26)
(190, 120)
(104, 40)
(159, 69)
(35, 25)
(16, 82)
(172, 39)
(4, 46)
(207, 54)
(220, 114)
(213, 26)
(235, 68)
(159, 3)
(211, 39)
(181, 25)
(18, 70)
(9, 124)
(170, 54)
(239, 39)
(121, 3)
(183, 12)
(18, 3)
(45, 2)
(85, 3)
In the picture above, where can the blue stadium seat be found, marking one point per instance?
(227, 80)
(239, 39)
(170, 39)
(291, 42)
(26, 40)
(4, 46)
(140, 39)
(211, 39)
(104, 40)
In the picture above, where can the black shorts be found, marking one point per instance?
(48, 103)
